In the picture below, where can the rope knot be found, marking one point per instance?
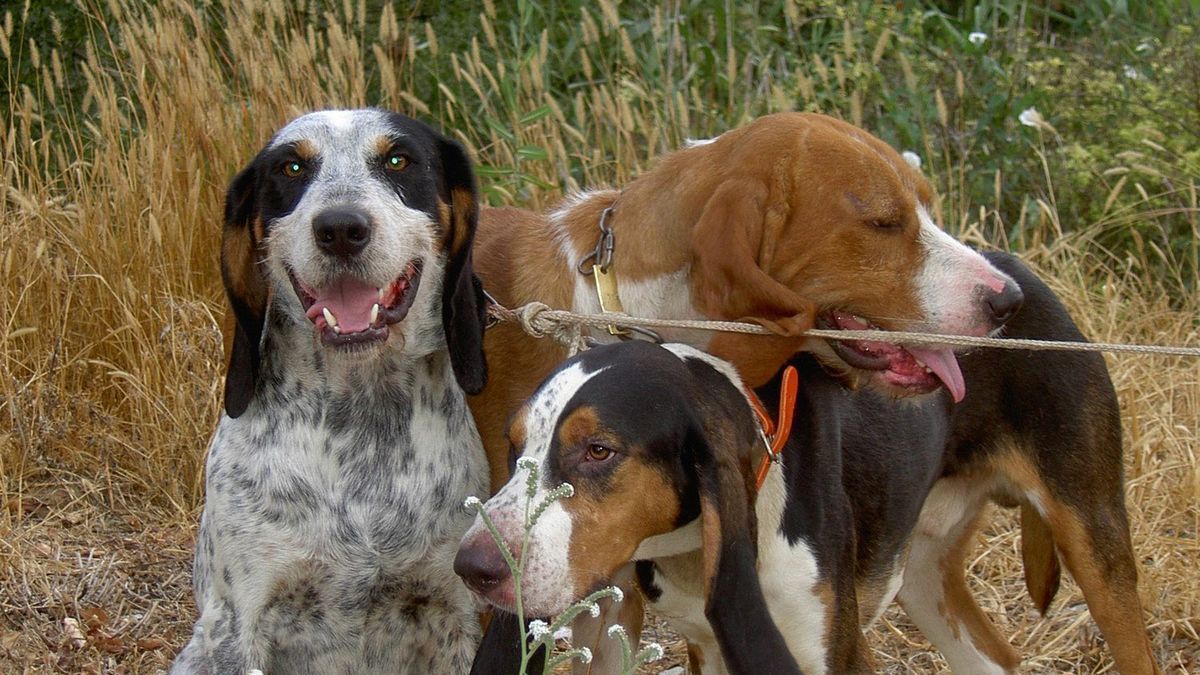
(530, 317)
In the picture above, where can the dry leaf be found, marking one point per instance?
(112, 645)
(94, 617)
(150, 644)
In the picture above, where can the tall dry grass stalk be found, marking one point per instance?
(110, 347)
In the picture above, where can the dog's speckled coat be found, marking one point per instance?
(335, 481)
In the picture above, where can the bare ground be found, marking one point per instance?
(93, 587)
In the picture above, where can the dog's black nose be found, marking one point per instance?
(1005, 304)
(342, 231)
(481, 565)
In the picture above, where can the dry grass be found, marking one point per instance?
(110, 346)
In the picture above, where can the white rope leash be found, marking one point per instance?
(539, 320)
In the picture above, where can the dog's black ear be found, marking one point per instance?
(499, 651)
(725, 444)
(464, 310)
(246, 287)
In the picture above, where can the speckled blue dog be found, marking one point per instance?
(337, 475)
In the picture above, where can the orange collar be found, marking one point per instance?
(775, 435)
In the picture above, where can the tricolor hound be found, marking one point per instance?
(336, 477)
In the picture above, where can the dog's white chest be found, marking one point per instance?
(384, 488)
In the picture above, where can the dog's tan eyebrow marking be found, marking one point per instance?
(383, 144)
(582, 423)
(305, 149)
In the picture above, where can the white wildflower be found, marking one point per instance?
(472, 502)
(654, 652)
(911, 158)
(538, 629)
(1131, 72)
(1143, 46)
(616, 631)
(977, 38)
(585, 655)
(1030, 117)
(567, 490)
(527, 463)
(618, 595)
(594, 610)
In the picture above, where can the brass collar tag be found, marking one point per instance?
(601, 270)
(606, 293)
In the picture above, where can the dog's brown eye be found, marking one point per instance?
(395, 162)
(885, 224)
(598, 453)
(293, 168)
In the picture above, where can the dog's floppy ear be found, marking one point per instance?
(464, 310)
(246, 287)
(734, 244)
(724, 444)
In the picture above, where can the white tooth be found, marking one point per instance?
(381, 292)
(860, 319)
(374, 312)
(329, 318)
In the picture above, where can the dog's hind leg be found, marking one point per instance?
(1092, 536)
(1095, 547)
(1089, 528)
(935, 594)
(1079, 495)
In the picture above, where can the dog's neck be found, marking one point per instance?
(652, 217)
(651, 264)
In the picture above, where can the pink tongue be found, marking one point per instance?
(945, 366)
(349, 300)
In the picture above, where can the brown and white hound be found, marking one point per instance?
(794, 221)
